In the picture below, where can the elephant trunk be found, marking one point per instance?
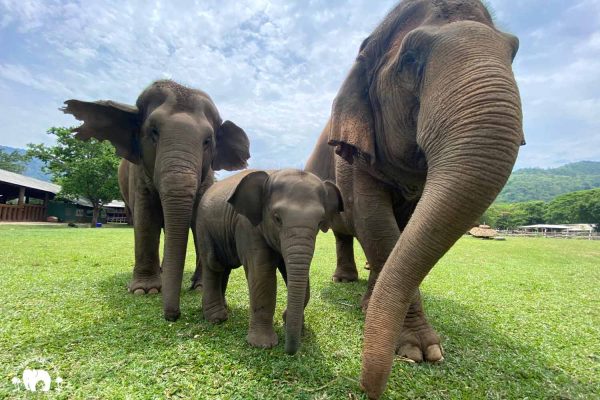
(298, 250)
(178, 188)
(470, 130)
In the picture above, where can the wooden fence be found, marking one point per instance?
(25, 212)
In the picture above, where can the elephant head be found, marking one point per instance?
(289, 207)
(178, 138)
(431, 92)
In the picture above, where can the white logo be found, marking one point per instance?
(37, 379)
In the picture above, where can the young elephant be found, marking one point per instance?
(264, 221)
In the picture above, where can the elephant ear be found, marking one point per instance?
(247, 198)
(352, 127)
(333, 203)
(232, 149)
(108, 120)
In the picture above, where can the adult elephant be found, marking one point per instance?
(171, 142)
(426, 128)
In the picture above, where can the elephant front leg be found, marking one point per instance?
(346, 267)
(147, 227)
(419, 341)
(375, 225)
(213, 296)
(262, 285)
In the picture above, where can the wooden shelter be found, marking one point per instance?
(483, 232)
(23, 198)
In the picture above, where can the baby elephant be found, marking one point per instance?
(264, 221)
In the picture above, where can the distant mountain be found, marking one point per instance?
(545, 184)
(523, 185)
(33, 168)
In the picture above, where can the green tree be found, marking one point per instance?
(573, 208)
(14, 161)
(533, 212)
(511, 216)
(83, 169)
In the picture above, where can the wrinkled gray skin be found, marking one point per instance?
(171, 142)
(264, 221)
(426, 129)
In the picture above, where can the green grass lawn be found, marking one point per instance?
(519, 319)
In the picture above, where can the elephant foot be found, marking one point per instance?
(172, 316)
(419, 341)
(364, 302)
(264, 340)
(216, 316)
(196, 285)
(197, 279)
(344, 275)
(146, 285)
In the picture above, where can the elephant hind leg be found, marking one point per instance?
(419, 341)
(197, 277)
(346, 267)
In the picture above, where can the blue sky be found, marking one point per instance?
(274, 67)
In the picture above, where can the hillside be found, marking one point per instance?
(33, 168)
(545, 184)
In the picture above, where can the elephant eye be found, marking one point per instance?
(154, 134)
(207, 142)
(408, 58)
(409, 61)
(277, 219)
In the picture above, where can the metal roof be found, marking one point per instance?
(116, 204)
(22, 180)
(32, 183)
(82, 201)
(546, 226)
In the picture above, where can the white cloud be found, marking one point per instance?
(273, 67)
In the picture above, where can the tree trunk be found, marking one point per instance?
(95, 214)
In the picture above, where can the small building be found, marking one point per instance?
(116, 212)
(545, 228)
(23, 198)
(81, 211)
(581, 228)
(78, 211)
